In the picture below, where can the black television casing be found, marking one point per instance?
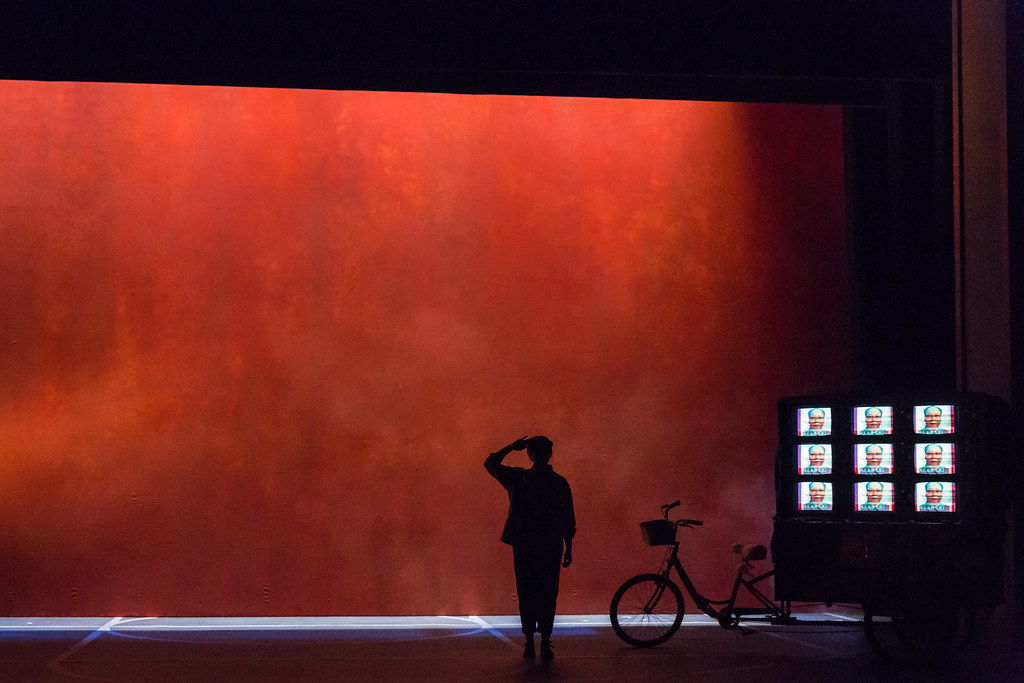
(880, 557)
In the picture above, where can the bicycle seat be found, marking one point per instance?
(750, 553)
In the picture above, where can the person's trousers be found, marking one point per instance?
(537, 565)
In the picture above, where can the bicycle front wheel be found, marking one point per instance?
(646, 610)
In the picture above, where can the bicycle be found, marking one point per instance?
(648, 609)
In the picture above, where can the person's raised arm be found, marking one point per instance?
(493, 461)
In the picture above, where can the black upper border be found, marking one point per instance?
(785, 50)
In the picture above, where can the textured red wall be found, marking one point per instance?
(257, 343)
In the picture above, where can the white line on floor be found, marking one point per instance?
(493, 631)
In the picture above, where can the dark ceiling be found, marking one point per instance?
(471, 45)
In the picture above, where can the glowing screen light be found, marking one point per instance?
(258, 342)
(935, 496)
(816, 421)
(874, 496)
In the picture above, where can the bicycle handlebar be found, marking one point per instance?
(681, 522)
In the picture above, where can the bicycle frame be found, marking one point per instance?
(729, 615)
(648, 609)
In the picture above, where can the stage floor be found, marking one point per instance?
(484, 648)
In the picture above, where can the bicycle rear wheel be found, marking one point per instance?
(646, 610)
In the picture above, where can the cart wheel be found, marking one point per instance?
(934, 632)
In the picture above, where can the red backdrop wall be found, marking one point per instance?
(257, 343)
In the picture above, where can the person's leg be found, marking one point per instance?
(524, 564)
(549, 564)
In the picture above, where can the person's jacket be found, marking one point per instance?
(539, 503)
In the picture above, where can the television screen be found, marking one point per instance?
(873, 496)
(814, 421)
(815, 495)
(815, 458)
(934, 458)
(873, 458)
(872, 420)
(935, 496)
(934, 419)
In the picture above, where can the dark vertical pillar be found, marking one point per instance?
(984, 334)
(898, 158)
(1015, 215)
(980, 183)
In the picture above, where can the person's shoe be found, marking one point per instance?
(528, 652)
(546, 653)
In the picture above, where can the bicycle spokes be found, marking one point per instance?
(646, 610)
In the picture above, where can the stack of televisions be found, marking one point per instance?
(876, 490)
(931, 457)
(873, 458)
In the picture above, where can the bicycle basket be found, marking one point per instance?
(658, 532)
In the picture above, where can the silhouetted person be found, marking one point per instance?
(540, 522)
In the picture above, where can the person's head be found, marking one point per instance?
(932, 417)
(874, 492)
(816, 492)
(933, 455)
(933, 492)
(873, 455)
(816, 456)
(873, 418)
(539, 448)
(816, 418)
